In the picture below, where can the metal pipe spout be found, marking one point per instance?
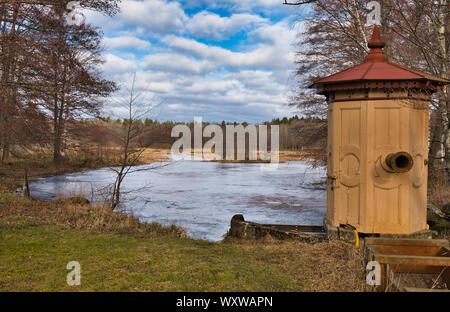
(400, 162)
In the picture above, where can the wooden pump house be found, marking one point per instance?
(378, 144)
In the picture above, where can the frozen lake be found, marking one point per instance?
(203, 196)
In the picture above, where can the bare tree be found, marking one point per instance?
(71, 82)
(423, 28)
(31, 33)
(334, 38)
(131, 137)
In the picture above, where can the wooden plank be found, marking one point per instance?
(445, 252)
(431, 251)
(374, 241)
(421, 269)
(413, 289)
(372, 252)
(410, 256)
(384, 276)
(412, 260)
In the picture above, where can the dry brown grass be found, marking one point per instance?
(284, 156)
(154, 155)
(42, 165)
(322, 267)
(333, 266)
(76, 213)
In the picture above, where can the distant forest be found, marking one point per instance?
(100, 134)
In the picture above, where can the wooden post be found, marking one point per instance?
(26, 186)
(383, 277)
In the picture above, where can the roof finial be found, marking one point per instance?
(376, 46)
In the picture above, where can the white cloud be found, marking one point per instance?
(213, 86)
(258, 4)
(273, 51)
(240, 5)
(159, 16)
(248, 83)
(147, 17)
(126, 42)
(209, 25)
(176, 62)
(250, 96)
(116, 65)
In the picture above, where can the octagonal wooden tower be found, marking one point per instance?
(378, 144)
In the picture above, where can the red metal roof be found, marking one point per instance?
(377, 68)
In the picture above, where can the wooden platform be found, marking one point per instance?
(412, 256)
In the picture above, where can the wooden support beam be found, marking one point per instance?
(413, 260)
(374, 241)
(413, 289)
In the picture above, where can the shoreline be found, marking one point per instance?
(12, 175)
(152, 257)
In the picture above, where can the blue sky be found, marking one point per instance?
(219, 60)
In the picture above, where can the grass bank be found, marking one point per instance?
(41, 165)
(118, 253)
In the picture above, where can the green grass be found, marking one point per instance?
(34, 258)
(118, 253)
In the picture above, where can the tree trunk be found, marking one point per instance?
(435, 135)
(444, 101)
(7, 76)
(57, 149)
(446, 135)
(5, 153)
